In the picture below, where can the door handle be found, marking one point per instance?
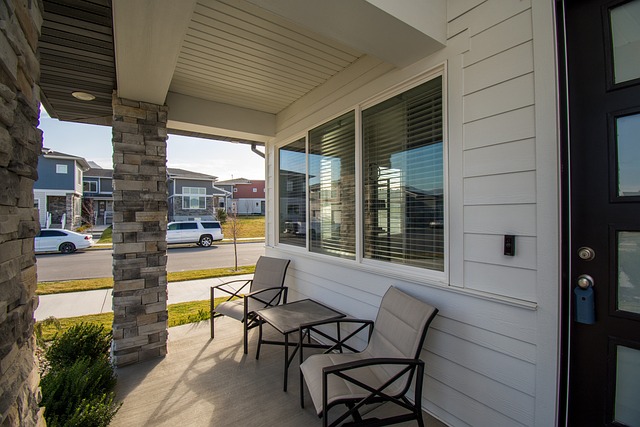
(585, 281)
(585, 307)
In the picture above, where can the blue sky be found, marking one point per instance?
(222, 159)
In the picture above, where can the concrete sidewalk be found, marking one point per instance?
(94, 302)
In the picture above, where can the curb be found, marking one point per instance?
(104, 246)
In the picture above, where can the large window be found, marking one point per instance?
(194, 198)
(293, 193)
(332, 195)
(403, 178)
(401, 209)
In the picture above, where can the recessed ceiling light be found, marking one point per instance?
(83, 96)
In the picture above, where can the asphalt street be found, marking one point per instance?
(97, 263)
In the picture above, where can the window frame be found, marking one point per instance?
(440, 278)
(62, 168)
(188, 196)
(306, 190)
(91, 184)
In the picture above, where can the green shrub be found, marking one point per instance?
(84, 340)
(221, 215)
(84, 227)
(97, 412)
(78, 387)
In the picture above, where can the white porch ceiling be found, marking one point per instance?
(227, 68)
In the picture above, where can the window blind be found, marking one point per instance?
(332, 187)
(403, 178)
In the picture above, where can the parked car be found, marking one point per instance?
(64, 241)
(204, 233)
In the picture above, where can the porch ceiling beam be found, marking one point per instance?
(148, 35)
(399, 33)
(187, 113)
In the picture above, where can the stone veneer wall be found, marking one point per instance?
(20, 144)
(139, 231)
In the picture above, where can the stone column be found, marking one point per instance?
(20, 144)
(139, 231)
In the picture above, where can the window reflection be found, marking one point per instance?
(629, 271)
(332, 187)
(625, 29)
(293, 193)
(628, 143)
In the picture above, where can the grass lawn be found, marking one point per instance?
(47, 288)
(179, 314)
(248, 226)
(106, 236)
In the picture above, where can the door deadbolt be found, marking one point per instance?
(585, 281)
(586, 254)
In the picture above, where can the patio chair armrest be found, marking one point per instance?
(329, 370)
(338, 342)
(228, 291)
(339, 320)
(256, 294)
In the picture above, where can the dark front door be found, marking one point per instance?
(603, 60)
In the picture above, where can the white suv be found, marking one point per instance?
(204, 233)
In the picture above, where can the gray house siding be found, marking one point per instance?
(50, 180)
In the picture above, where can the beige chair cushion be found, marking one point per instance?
(337, 387)
(235, 308)
(397, 333)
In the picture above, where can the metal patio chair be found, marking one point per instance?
(266, 289)
(382, 372)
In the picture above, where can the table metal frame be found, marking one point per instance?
(287, 319)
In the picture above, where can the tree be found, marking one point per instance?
(234, 227)
(88, 213)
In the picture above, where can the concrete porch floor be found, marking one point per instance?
(203, 382)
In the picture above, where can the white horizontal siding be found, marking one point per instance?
(516, 283)
(507, 65)
(513, 188)
(488, 248)
(501, 219)
(511, 126)
(501, 37)
(504, 97)
(516, 156)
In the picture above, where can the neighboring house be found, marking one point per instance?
(193, 195)
(247, 195)
(97, 189)
(58, 191)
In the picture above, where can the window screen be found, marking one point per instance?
(293, 193)
(332, 187)
(403, 178)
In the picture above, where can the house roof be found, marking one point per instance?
(51, 154)
(182, 173)
(99, 172)
(173, 173)
(236, 181)
(225, 68)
